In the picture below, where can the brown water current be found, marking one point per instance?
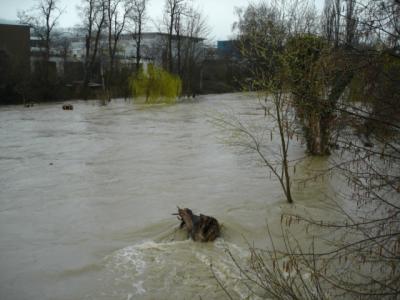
(87, 195)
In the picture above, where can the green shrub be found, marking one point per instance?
(155, 86)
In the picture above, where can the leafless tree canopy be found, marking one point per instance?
(42, 18)
(138, 18)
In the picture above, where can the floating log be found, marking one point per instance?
(199, 227)
(67, 107)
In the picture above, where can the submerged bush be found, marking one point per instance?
(156, 86)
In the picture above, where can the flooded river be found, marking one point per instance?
(87, 195)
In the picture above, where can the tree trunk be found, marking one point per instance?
(86, 76)
(138, 45)
(317, 135)
(169, 54)
(285, 182)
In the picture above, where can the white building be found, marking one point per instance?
(70, 46)
(153, 47)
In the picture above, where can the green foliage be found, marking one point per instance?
(302, 55)
(306, 60)
(378, 88)
(156, 86)
(379, 82)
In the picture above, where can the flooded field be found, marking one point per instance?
(87, 196)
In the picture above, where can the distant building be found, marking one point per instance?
(60, 50)
(14, 61)
(153, 48)
(14, 45)
(18, 43)
(228, 49)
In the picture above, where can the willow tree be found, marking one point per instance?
(156, 86)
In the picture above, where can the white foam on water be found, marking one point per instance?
(139, 287)
(160, 245)
(173, 267)
(127, 258)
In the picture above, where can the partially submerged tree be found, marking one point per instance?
(313, 73)
(358, 256)
(308, 81)
(279, 126)
(155, 86)
(263, 32)
(262, 39)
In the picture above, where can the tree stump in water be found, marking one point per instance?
(67, 107)
(199, 227)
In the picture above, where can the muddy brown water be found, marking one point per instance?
(87, 195)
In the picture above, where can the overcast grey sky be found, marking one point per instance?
(220, 14)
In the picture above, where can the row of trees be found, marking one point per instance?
(104, 23)
(184, 25)
(333, 81)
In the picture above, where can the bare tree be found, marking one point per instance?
(351, 22)
(117, 12)
(279, 122)
(138, 17)
(336, 8)
(173, 8)
(262, 33)
(94, 15)
(333, 21)
(195, 30)
(378, 22)
(178, 31)
(43, 18)
(62, 44)
(340, 22)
